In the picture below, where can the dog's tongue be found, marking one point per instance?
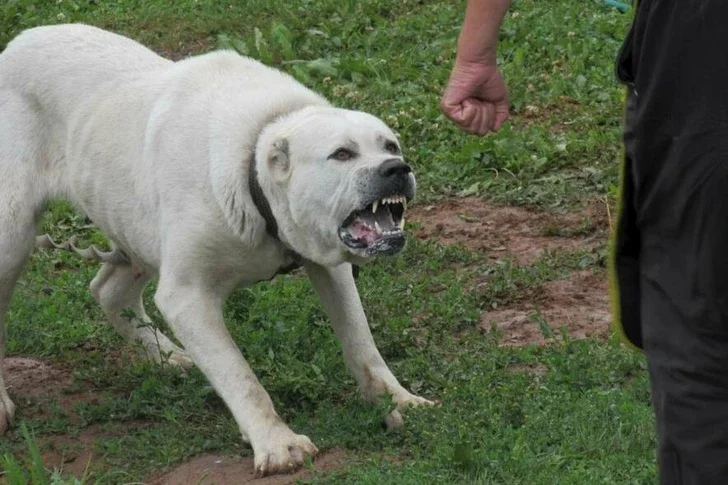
(364, 232)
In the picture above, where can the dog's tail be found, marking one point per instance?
(115, 256)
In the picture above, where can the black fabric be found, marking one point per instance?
(261, 202)
(672, 258)
(271, 226)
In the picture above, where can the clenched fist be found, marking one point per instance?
(476, 97)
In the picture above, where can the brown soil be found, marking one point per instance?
(506, 231)
(223, 470)
(30, 378)
(580, 303)
(34, 385)
(74, 454)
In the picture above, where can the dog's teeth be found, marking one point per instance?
(401, 223)
(374, 206)
(404, 203)
(376, 225)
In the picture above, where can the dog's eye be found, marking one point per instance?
(391, 147)
(342, 154)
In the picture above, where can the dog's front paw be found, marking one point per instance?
(394, 420)
(408, 400)
(180, 358)
(7, 413)
(158, 348)
(284, 453)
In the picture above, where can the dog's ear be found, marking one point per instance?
(278, 157)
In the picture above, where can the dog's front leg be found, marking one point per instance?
(337, 289)
(195, 316)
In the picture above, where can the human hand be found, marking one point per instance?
(476, 98)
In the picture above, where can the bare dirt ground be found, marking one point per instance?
(216, 469)
(32, 384)
(579, 303)
(505, 231)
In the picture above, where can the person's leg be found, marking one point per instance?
(681, 199)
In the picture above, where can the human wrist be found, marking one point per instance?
(471, 58)
(477, 47)
(478, 40)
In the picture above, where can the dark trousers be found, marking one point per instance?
(671, 245)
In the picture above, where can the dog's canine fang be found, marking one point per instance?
(379, 227)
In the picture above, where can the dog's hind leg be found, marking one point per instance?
(17, 235)
(16, 242)
(22, 191)
(118, 289)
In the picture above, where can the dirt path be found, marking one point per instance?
(504, 231)
(33, 384)
(219, 470)
(578, 304)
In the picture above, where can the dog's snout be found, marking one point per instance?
(393, 167)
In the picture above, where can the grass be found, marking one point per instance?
(586, 419)
(34, 470)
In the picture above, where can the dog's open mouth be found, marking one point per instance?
(378, 228)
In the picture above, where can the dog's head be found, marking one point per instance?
(337, 184)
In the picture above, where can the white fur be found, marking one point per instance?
(156, 154)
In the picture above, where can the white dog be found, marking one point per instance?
(208, 173)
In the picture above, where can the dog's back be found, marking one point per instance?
(46, 74)
(74, 59)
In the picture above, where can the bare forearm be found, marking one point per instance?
(479, 36)
(476, 97)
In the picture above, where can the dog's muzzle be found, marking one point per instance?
(378, 227)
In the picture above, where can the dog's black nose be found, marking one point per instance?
(394, 166)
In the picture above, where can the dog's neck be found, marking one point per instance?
(271, 225)
(261, 202)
